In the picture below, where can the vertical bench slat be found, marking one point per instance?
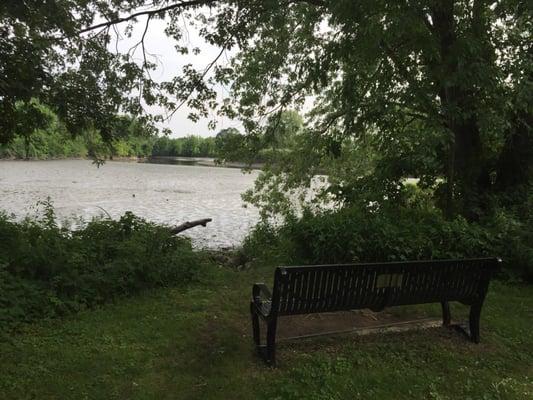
(443, 272)
(319, 287)
(336, 288)
(430, 282)
(352, 289)
(326, 294)
(374, 292)
(460, 287)
(290, 293)
(363, 287)
(347, 289)
(344, 281)
(312, 295)
(322, 290)
(303, 291)
(458, 284)
(310, 290)
(333, 290)
(417, 282)
(352, 285)
(285, 303)
(296, 295)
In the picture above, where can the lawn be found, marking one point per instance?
(194, 343)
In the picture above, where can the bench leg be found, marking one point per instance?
(271, 342)
(475, 314)
(255, 327)
(446, 315)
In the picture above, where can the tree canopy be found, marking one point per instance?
(438, 90)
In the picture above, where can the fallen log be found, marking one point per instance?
(189, 224)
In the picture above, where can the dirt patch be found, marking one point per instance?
(362, 321)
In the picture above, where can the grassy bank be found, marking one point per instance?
(194, 343)
(124, 310)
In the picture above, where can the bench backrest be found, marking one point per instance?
(326, 288)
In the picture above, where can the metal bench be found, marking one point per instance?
(328, 288)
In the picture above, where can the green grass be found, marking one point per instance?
(194, 343)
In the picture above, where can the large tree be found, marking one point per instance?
(459, 72)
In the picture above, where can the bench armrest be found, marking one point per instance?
(260, 290)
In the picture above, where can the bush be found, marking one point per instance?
(47, 271)
(402, 233)
(512, 234)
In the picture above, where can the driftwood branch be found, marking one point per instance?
(189, 224)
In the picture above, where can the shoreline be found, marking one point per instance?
(200, 161)
(167, 160)
(132, 159)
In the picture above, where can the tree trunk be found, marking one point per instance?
(27, 143)
(466, 178)
(472, 178)
(514, 168)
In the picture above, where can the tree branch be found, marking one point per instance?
(181, 4)
(206, 70)
(189, 224)
(405, 74)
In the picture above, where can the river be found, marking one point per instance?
(169, 194)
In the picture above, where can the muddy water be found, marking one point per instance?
(168, 194)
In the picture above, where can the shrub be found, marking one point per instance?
(46, 270)
(353, 234)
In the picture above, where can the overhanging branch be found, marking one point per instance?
(150, 13)
(199, 81)
(181, 4)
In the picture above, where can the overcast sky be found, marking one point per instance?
(169, 65)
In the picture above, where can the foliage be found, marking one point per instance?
(281, 129)
(44, 55)
(189, 146)
(230, 145)
(447, 71)
(55, 142)
(45, 145)
(270, 144)
(414, 229)
(131, 138)
(29, 117)
(47, 270)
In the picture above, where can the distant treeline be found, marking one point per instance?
(47, 137)
(131, 138)
(55, 145)
(189, 146)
